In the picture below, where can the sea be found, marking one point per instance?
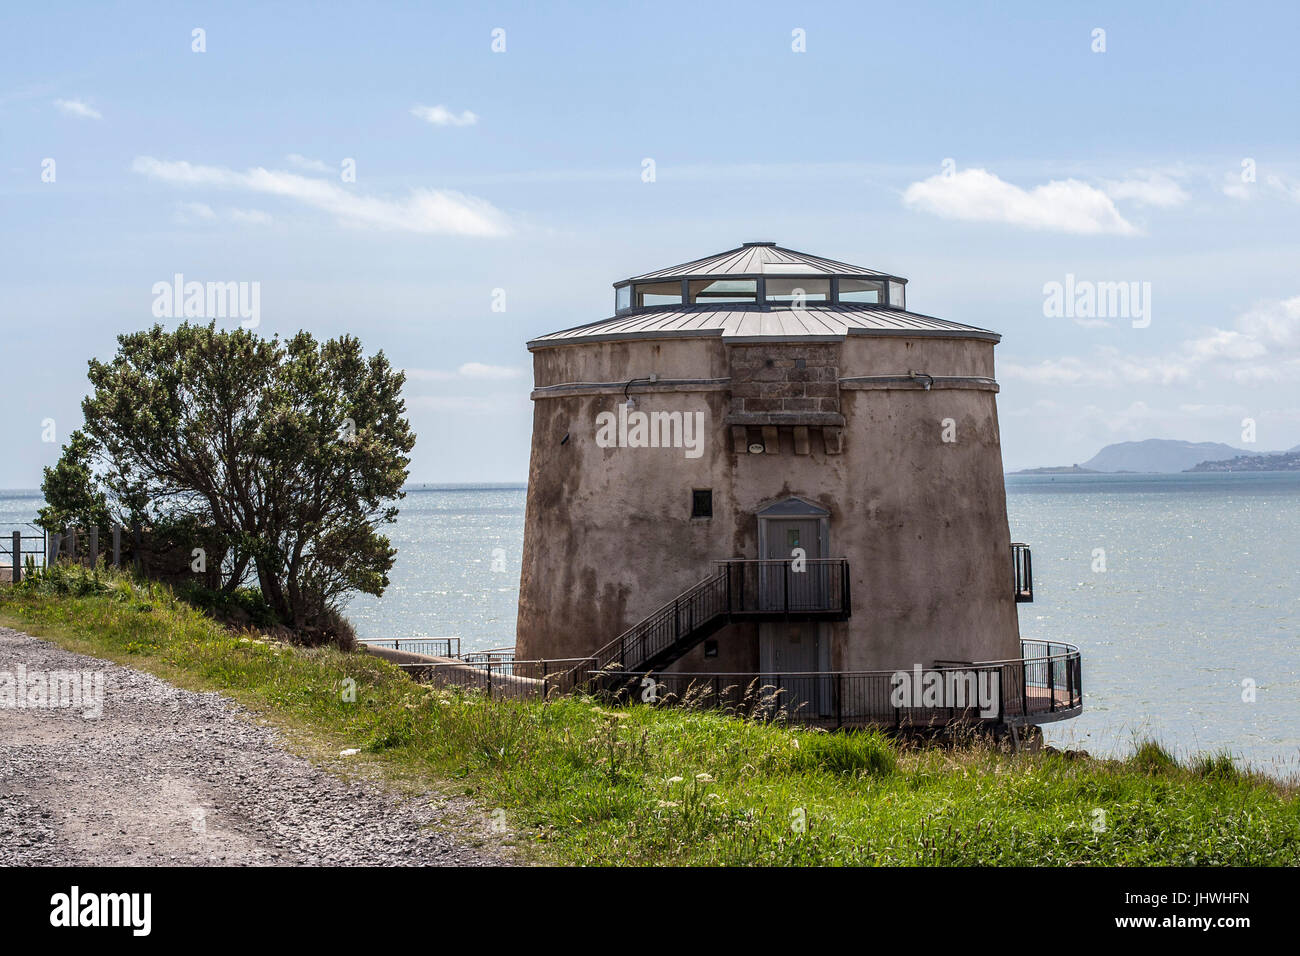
(1182, 591)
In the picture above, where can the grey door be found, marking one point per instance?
(783, 586)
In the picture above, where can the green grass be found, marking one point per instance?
(583, 783)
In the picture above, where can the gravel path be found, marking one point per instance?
(172, 777)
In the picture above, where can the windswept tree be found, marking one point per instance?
(289, 454)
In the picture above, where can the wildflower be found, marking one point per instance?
(673, 780)
(703, 778)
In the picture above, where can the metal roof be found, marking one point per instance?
(738, 323)
(760, 258)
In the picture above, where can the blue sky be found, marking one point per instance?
(522, 170)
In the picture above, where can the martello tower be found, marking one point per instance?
(788, 414)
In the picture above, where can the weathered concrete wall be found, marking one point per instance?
(608, 535)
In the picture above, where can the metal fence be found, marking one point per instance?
(432, 646)
(17, 544)
(508, 679)
(1044, 684)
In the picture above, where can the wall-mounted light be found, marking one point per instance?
(756, 448)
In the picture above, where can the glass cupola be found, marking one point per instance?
(761, 275)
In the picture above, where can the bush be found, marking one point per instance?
(243, 607)
(64, 580)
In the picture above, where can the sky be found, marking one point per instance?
(447, 181)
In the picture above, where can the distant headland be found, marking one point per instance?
(1169, 456)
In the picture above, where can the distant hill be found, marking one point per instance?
(1161, 455)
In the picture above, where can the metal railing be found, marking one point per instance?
(1022, 573)
(816, 587)
(432, 646)
(508, 679)
(738, 590)
(1044, 684)
(492, 655)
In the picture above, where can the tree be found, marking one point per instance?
(289, 454)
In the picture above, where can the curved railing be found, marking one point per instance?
(1043, 685)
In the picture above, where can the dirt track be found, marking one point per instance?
(170, 777)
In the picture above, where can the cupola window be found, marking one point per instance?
(708, 291)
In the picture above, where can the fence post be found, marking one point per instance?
(135, 541)
(839, 700)
(1051, 681)
(94, 546)
(1024, 683)
(70, 533)
(117, 545)
(51, 547)
(17, 574)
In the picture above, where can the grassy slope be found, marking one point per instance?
(643, 785)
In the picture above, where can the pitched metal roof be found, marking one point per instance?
(759, 258)
(738, 323)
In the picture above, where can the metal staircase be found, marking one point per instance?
(738, 590)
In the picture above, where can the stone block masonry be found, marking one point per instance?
(784, 378)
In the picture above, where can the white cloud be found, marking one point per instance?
(1263, 345)
(78, 108)
(1289, 189)
(312, 165)
(469, 370)
(190, 211)
(423, 211)
(254, 216)
(976, 195)
(1236, 187)
(441, 116)
(1106, 367)
(470, 404)
(1155, 189)
(479, 370)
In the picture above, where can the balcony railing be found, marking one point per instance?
(816, 588)
(1022, 573)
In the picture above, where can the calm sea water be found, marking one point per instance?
(1200, 592)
